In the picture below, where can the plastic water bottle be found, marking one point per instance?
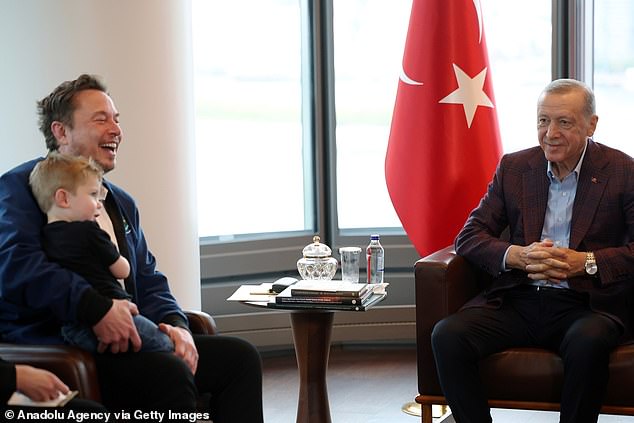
(376, 258)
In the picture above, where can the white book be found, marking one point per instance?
(21, 400)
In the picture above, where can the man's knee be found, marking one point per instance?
(176, 370)
(229, 347)
(445, 334)
(249, 352)
(593, 336)
(223, 354)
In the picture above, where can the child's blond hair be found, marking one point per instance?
(60, 171)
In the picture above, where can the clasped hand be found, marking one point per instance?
(544, 261)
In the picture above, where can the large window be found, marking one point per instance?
(614, 72)
(367, 65)
(519, 39)
(250, 147)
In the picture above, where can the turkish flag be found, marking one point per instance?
(444, 141)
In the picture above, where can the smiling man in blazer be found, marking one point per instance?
(563, 279)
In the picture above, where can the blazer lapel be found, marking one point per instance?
(535, 188)
(592, 182)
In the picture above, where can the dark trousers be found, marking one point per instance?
(559, 320)
(229, 373)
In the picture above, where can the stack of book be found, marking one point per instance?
(332, 295)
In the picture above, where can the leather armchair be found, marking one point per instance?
(520, 378)
(77, 367)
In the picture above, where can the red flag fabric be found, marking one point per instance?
(444, 141)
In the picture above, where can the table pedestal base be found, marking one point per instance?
(311, 334)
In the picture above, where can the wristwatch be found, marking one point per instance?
(591, 264)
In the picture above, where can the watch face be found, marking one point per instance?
(591, 268)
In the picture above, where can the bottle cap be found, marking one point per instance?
(374, 236)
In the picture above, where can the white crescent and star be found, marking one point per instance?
(470, 92)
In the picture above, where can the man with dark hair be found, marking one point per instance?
(58, 106)
(80, 118)
(563, 280)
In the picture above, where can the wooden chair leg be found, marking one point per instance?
(426, 413)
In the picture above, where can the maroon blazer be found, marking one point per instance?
(602, 222)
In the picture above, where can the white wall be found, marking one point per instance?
(142, 50)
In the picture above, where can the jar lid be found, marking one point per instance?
(316, 249)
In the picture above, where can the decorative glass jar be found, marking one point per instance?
(317, 262)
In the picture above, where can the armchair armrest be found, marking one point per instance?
(444, 283)
(201, 323)
(72, 365)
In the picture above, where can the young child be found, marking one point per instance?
(68, 190)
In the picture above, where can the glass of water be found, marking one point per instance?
(350, 263)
